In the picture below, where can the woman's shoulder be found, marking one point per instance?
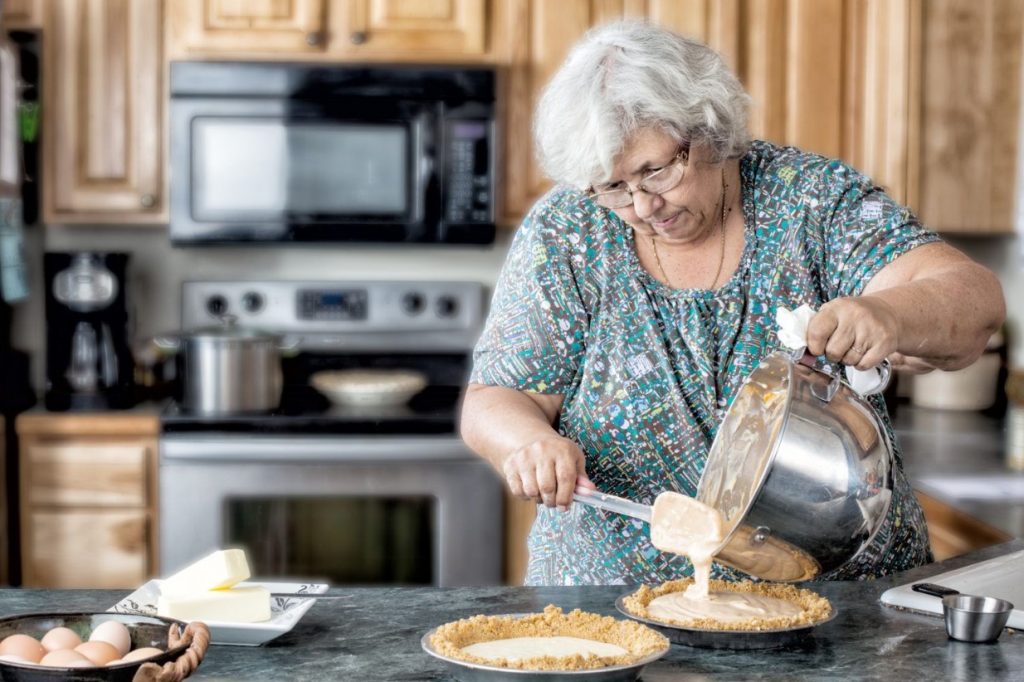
(565, 215)
(790, 166)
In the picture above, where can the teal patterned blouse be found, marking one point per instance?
(648, 371)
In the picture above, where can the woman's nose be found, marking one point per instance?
(645, 205)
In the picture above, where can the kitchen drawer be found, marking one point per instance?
(86, 548)
(86, 474)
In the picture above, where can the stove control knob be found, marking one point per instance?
(252, 301)
(412, 303)
(447, 306)
(216, 305)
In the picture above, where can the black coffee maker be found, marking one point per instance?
(88, 358)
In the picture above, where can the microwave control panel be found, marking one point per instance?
(468, 174)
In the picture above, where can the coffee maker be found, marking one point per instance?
(88, 358)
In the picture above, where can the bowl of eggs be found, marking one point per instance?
(96, 646)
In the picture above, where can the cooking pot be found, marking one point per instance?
(229, 369)
(801, 470)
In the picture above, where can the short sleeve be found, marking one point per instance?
(535, 334)
(864, 230)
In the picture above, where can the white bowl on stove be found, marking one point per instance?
(369, 387)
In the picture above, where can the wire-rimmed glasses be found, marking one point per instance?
(657, 182)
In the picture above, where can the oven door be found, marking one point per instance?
(277, 169)
(367, 510)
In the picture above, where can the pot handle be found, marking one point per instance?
(171, 343)
(825, 394)
(289, 346)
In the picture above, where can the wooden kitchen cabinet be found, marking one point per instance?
(88, 499)
(970, 101)
(103, 112)
(952, 532)
(22, 14)
(399, 30)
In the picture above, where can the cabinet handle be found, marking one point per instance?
(313, 38)
(147, 200)
(358, 37)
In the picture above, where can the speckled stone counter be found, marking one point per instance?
(374, 634)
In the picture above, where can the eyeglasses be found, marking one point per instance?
(657, 182)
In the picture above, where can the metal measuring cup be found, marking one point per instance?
(969, 618)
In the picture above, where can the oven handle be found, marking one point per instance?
(277, 449)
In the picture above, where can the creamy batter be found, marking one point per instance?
(682, 525)
(726, 607)
(521, 648)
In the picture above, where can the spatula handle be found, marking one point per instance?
(611, 503)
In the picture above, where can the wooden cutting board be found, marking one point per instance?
(1002, 577)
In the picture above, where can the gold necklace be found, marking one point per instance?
(721, 257)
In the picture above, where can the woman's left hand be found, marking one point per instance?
(859, 331)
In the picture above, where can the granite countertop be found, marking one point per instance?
(943, 447)
(374, 634)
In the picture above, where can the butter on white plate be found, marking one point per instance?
(219, 570)
(205, 590)
(235, 604)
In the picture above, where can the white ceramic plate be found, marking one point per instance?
(285, 612)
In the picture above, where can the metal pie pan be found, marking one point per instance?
(726, 639)
(476, 672)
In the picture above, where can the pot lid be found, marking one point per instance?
(228, 329)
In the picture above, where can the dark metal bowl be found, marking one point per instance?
(144, 630)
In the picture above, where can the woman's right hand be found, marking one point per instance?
(547, 470)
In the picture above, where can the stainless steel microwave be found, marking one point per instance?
(279, 152)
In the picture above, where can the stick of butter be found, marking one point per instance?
(222, 569)
(235, 605)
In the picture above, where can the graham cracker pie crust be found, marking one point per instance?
(638, 640)
(813, 607)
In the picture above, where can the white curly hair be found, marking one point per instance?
(627, 76)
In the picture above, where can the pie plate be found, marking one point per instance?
(726, 639)
(477, 672)
(285, 612)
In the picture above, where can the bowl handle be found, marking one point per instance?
(197, 636)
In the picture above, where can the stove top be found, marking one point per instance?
(429, 327)
(305, 411)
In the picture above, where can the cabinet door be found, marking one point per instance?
(103, 112)
(86, 474)
(970, 114)
(294, 27)
(24, 14)
(86, 548)
(540, 35)
(406, 29)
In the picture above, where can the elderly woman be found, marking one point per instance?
(641, 290)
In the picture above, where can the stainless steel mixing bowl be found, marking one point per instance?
(801, 470)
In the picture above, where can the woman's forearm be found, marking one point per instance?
(497, 420)
(945, 317)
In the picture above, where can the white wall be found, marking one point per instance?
(156, 270)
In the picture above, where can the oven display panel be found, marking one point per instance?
(332, 304)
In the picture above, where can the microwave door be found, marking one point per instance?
(260, 170)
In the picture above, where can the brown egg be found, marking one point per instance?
(98, 652)
(113, 633)
(66, 658)
(11, 658)
(142, 653)
(116, 661)
(60, 638)
(27, 647)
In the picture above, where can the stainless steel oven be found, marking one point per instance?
(384, 494)
(298, 153)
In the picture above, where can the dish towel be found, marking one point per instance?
(13, 272)
(792, 334)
